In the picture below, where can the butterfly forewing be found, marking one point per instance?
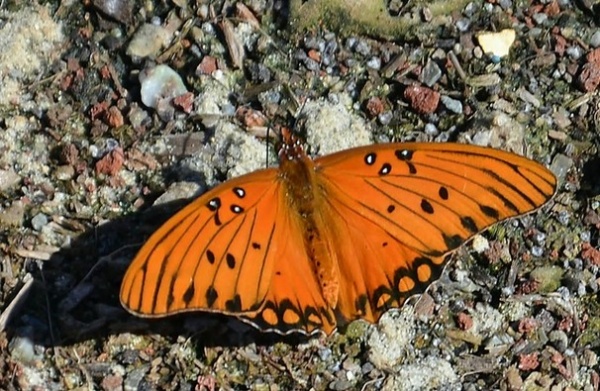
(216, 254)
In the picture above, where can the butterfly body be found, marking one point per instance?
(305, 196)
(317, 243)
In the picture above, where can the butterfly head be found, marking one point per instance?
(291, 148)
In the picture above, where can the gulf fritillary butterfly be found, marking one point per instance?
(318, 243)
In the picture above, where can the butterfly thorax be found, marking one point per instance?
(305, 198)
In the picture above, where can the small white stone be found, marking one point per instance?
(480, 244)
(497, 43)
(148, 41)
(160, 83)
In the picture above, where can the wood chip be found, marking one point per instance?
(235, 47)
(245, 14)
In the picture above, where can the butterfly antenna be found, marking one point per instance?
(267, 147)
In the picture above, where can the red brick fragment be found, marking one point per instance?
(422, 99)
(111, 163)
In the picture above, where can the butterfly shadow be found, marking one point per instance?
(74, 296)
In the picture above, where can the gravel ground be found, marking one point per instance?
(107, 106)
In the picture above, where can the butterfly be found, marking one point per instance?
(315, 244)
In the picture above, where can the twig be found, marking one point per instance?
(17, 302)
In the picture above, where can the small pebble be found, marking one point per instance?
(362, 47)
(559, 340)
(374, 63)
(160, 85)
(537, 251)
(497, 43)
(385, 118)
(39, 221)
(119, 10)
(64, 172)
(148, 41)
(463, 25)
(111, 144)
(585, 236)
(574, 52)
(134, 378)
(539, 237)
(595, 39)
(422, 99)
(431, 129)
(480, 244)
(453, 105)
(328, 54)
(582, 290)
(539, 18)
(22, 350)
(8, 179)
(470, 9)
(350, 43)
(340, 385)
(528, 97)
(563, 217)
(560, 166)
(431, 74)
(367, 368)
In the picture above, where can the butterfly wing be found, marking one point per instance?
(216, 254)
(234, 250)
(400, 209)
(294, 301)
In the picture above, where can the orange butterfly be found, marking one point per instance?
(315, 244)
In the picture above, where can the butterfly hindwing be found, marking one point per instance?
(294, 300)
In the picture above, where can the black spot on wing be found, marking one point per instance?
(404, 154)
(426, 206)
(361, 304)
(385, 169)
(230, 260)
(239, 192)
(189, 294)
(218, 221)
(210, 256)
(234, 305)
(469, 224)
(214, 204)
(490, 212)
(236, 209)
(379, 303)
(370, 158)
(211, 296)
(453, 241)
(443, 193)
